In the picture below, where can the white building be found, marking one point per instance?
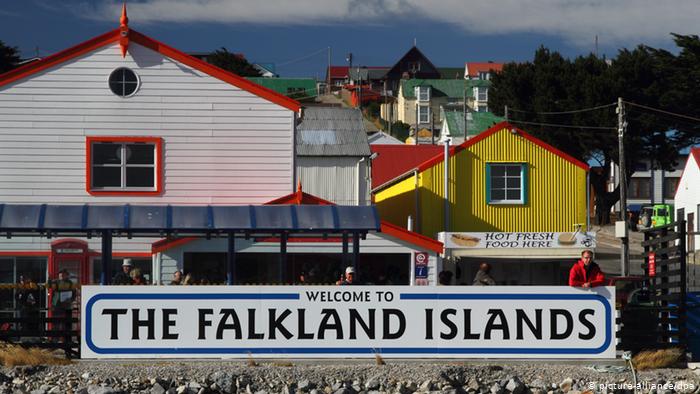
(333, 155)
(688, 199)
(124, 119)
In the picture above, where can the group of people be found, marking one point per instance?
(28, 300)
(129, 275)
(584, 273)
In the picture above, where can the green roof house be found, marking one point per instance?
(453, 124)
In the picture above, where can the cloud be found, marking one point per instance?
(621, 22)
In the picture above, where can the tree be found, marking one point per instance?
(646, 76)
(232, 62)
(9, 58)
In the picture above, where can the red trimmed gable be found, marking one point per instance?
(395, 160)
(696, 154)
(493, 130)
(136, 37)
(299, 197)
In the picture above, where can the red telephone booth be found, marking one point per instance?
(71, 255)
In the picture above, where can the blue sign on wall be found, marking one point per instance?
(422, 272)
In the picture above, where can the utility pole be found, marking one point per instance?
(464, 110)
(328, 87)
(505, 113)
(621, 126)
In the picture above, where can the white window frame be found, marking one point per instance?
(521, 187)
(484, 75)
(123, 165)
(427, 114)
(478, 90)
(423, 93)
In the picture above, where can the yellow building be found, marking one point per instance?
(513, 201)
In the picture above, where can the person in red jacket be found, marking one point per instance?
(586, 273)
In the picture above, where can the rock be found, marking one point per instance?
(426, 385)
(181, 389)
(57, 390)
(223, 381)
(341, 390)
(497, 389)
(157, 389)
(85, 376)
(372, 384)
(566, 384)
(303, 385)
(515, 386)
(685, 387)
(99, 390)
(37, 391)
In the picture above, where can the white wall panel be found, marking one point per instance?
(335, 179)
(222, 144)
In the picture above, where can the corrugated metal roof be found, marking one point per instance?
(332, 132)
(476, 122)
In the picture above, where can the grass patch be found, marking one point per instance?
(653, 359)
(12, 355)
(251, 361)
(378, 359)
(282, 364)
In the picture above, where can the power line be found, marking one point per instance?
(301, 58)
(563, 125)
(663, 112)
(565, 112)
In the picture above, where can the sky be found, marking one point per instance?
(296, 34)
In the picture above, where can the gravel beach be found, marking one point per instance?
(320, 377)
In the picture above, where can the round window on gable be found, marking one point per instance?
(123, 82)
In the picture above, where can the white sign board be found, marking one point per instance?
(495, 240)
(347, 321)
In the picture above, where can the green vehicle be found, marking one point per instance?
(657, 215)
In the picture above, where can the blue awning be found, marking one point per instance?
(33, 219)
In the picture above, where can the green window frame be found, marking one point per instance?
(507, 183)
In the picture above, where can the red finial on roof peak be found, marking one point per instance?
(124, 20)
(299, 193)
(124, 31)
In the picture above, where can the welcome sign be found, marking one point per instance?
(347, 321)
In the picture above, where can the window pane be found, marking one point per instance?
(106, 153)
(106, 176)
(128, 76)
(7, 274)
(513, 170)
(513, 183)
(497, 195)
(140, 154)
(498, 183)
(140, 177)
(498, 171)
(129, 88)
(513, 194)
(32, 267)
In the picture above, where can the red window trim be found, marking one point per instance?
(159, 165)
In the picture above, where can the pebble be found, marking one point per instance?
(336, 377)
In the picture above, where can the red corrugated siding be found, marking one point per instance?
(395, 160)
